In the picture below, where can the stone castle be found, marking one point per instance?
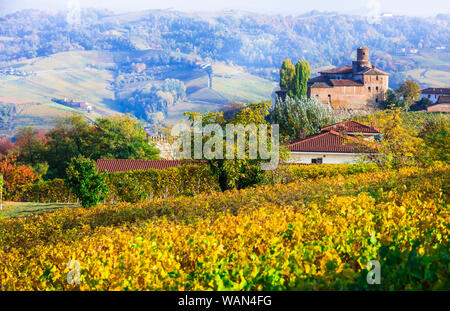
(355, 89)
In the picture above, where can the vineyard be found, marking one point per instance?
(314, 233)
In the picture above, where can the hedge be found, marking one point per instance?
(46, 192)
(139, 186)
(187, 180)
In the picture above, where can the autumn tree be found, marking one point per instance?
(399, 144)
(29, 146)
(409, 91)
(85, 181)
(5, 145)
(15, 176)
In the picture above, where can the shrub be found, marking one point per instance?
(85, 182)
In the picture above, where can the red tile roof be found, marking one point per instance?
(123, 165)
(329, 142)
(351, 126)
(444, 99)
(345, 82)
(339, 70)
(372, 71)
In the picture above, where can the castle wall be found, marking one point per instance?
(347, 97)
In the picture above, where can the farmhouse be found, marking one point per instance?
(339, 143)
(434, 93)
(359, 86)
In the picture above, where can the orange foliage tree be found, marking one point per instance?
(14, 176)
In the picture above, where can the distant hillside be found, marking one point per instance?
(119, 62)
(106, 80)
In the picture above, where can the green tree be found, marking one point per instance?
(409, 91)
(301, 116)
(113, 137)
(29, 148)
(392, 101)
(287, 74)
(237, 173)
(71, 137)
(85, 181)
(120, 137)
(302, 75)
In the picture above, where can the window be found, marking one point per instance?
(376, 100)
(377, 78)
(370, 90)
(377, 88)
(317, 161)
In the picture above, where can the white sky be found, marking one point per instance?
(287, 7)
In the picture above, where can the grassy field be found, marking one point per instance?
(19, 209)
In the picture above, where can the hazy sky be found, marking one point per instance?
(289, 7)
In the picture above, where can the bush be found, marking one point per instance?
(46, 192)
(139, 186)
(85, 182)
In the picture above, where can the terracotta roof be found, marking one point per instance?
(345, 82)
(123, 165)
(372, 71)
(439, 108)
(444, 99)
(437, 90)
(351, 126)
(329, 142)
(320, 85)
(339, 70)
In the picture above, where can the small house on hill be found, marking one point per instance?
(434, 93)
(339, 143)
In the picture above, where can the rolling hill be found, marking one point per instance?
(90, 76)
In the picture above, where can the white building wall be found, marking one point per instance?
(433, 97)
(327, 158)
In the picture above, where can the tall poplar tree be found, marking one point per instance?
(302, 75)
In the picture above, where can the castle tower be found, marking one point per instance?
(362, 59)
(363, 56)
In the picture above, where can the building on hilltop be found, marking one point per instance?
(359, 86)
